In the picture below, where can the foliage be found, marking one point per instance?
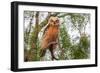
(64, 41)
(82, 49)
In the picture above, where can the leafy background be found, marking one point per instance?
(74, 37)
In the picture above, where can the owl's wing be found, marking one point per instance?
(42, 32)
(45, 29)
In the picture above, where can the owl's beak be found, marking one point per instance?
(54, 22)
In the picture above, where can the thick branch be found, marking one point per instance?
(36, 27)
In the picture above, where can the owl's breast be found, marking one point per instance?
(52, 33)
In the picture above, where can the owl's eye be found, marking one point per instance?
(51, 20)
(57, 21)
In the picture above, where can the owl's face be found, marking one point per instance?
(54, 21)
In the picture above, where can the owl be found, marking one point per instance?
(50, 36)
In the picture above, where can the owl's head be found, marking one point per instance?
(54, 21)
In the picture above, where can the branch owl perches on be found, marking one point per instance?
(50, 37)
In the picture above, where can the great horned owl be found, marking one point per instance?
(50, 36)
